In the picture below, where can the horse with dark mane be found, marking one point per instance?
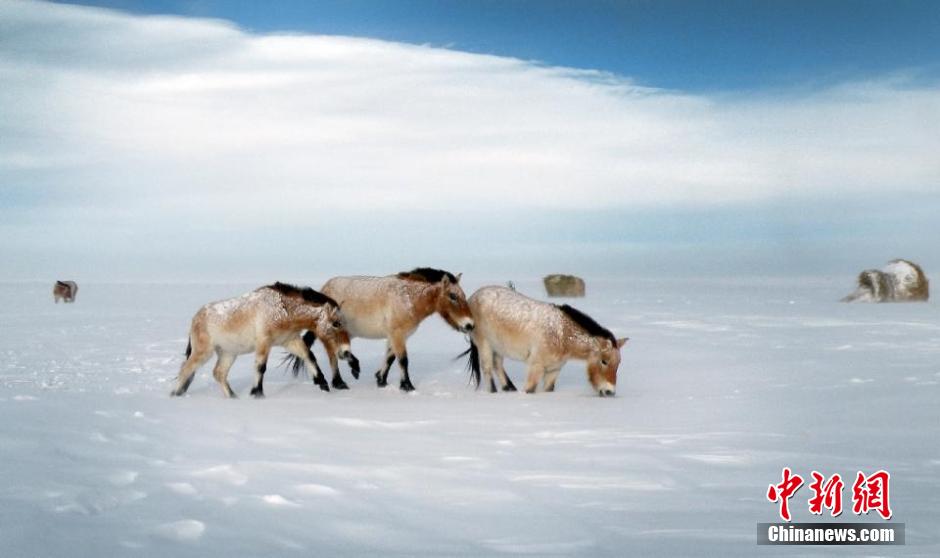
(274, 315)
(393, 306)
(65, 291)
(544, 336)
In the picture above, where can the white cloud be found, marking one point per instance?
(165, 112)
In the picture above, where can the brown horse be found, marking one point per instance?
(392, 307)
(65, 291)
(544, 336)
(255, 322)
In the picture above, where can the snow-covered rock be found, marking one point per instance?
(899, 281)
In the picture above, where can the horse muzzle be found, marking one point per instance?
(467, 327)
(606, 392)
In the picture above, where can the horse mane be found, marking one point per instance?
(427, 275)
(62, 283)
(305, 293)
(587, 323)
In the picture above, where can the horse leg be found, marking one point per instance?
(401, 353)
(486, 363)
(299, 349)
(199, 356)
(261, 365)
(501, 373)
(220, 372)
(550, 377)
(337, 381)
(534, 373)
(381, 377)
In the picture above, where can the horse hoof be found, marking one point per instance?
(406, 386)
(257, 394)
(339, 384)
(510, 387)
(321, 383)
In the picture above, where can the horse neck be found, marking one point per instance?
(423, 298)
(301, 318)
(578, 343)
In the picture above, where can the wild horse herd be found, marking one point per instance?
(500, 323)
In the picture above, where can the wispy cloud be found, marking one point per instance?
(171, 111)
(116, 129)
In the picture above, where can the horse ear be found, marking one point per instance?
(459, 275)
(445, 280)
(622, 341)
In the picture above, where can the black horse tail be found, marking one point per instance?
(473, 363)
(189, 347)
(296, 364)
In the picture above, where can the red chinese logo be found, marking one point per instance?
(826, 495)
(868, 493)
(784, 491)
(871, 493)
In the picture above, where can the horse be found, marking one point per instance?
(256, 321)
(393, 306)
(899, 281)
(64, 290)
(544, 336)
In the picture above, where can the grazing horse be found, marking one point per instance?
(64, 290)
(392, 307)
(255, 322)
(544, 336)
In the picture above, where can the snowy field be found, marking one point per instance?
(722, 384)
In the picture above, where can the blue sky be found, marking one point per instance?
(236, 140)
(689, 45)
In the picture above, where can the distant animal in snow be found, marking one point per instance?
(543, 335)
(274, 315)
(564, 285)
(392, 308)
(899, 281)
(65, 291)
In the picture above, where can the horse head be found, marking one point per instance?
(331, 330)
(452, 304)
(602, 365)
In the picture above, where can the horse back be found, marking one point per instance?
(371, 305)
(238, 315)
(514, 324)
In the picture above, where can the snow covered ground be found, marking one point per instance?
(722, 384)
